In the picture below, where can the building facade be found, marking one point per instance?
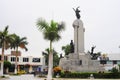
(27, 63)
(112, 60)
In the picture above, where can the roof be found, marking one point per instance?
(114, 56)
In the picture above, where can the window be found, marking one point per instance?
(17, 59)
(109, 62)
(0, 57)
(25, 59)
(118, 62)
(36, 60)
(80, 63)
(114, 62)
(13, 59)
(5, 58)
(103, 61)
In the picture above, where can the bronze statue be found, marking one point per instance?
(71, 47)
(61, 56)
(92, 49)
(77, 12)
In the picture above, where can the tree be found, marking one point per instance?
(114, 70)
(7, 65)
(50, 32)
(15, 44)
(55, 57)
(66, 49)
(46, 55)
(5, 40)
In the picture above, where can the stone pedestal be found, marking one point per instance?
(83, 63)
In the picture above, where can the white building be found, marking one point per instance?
(113, 61)
(27, 63)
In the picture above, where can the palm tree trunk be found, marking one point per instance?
(15, 71)
(1, 70)
(2, 63)
(7, 70)
(50, 64)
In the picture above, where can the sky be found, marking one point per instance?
(101, 19)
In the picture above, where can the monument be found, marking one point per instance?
(78, 60)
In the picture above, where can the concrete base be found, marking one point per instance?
(80, 63)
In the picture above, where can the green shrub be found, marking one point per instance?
(74, 75)
(2, 76)
(87, 75)
(114, 70)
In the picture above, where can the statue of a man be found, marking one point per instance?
(77, 12)
(71, 47)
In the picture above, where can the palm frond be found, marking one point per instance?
(57, 38)
(47, 50)
(61, 26)
(18, 42)
(44, 53)
(6, 28)
(50, 31)
(53, 24)
(42, 24)
(22, 39)
(26, 49)
(63, 47)
(5, 32)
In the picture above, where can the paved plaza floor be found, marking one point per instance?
(22, 77)
(31, 77)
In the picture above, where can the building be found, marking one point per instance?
(113, 60)
(27, 63)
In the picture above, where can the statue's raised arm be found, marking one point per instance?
(77, 12)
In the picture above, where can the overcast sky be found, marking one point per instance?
(101, 20)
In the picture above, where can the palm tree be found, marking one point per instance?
(46, 54)
(51, 32)
(55, 57)
(15, 44)
(5, 40)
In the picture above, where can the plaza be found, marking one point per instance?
(97, 28)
